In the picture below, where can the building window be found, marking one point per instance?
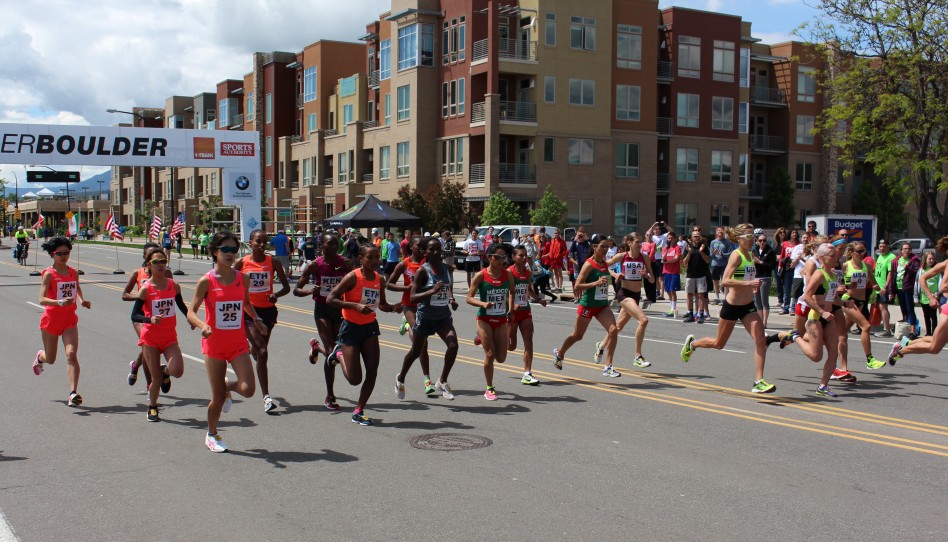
(388, 109)
(745, 68)
(549, 30)
(628, 104)
(454, 97)
(689, 57)
(686, 168)
(342, 171)
(688, 110)
(548, 148)
(721, 166)
(309, 84)
(401, 164)
(404, 103)
(249, 109)
(411, 51)
(579, 212)
(549, 89)
(722, 113)
(806, 84)
(225, 108)
(805, 126)
(627, 160)
(627, 218)
(311, 122)
(461, 92)
(581, 152)
(346, 116)
(841, 180)
(686, 216)
(385, 160)
(629, 46)
(582, 33)
(743, 109)
(804, 180)
(385, 59)
(452, 41)
(720, 215)
(723, 66)
(307, 172)
(445, 98)
(452, 156)
(269, 151)
(268, 109)
(582, 92)
(742, 170)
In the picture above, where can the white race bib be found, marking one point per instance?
(831, 291)
(750, 272)
(499, 299)
(858, 280)
(602, 292)
(326, 284)
(66, 290)
(162, 307)
(440, 299)
(259, 281)
(227, 314)
(633, 270)
(370, 296)
(520, 295)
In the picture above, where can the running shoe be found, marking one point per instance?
(37, 364)
(688, 318)
(331, 403)
(640, 361)
(335, 357)
(269, 405)
(700, 319)
(477, 340)
(399, 388)
(597, 357)
(132, 373)
(884, 334)
(429, 389)
(490, 394)
(645, 304)
(670, 314)
(74, 400)
(444, 390)
(228, 402)
(214, 443)
(403, 329)
(557, 360)
(789, 338)
(843, 376)
(611, 372)
(873, 363)
(313, 351)
(165, 379)
(361, 419)
(825, 391)
(896, 353)
(687, 349)
(762, 386)
(529, 380)
(773, 338)
(152, 415)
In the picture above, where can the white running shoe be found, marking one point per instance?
(215, 444)
(399, 388)
(444, 389)
(269, 405)
(640, 361)
(597, 357)
(228, 402)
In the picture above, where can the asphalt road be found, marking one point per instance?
(673, 452)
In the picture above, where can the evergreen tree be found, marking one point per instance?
(500, 210)
(414, 203)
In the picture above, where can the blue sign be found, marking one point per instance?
(859, 229)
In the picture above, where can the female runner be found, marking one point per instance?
(358, 295)
(260, 268)
(636, 267)
(741, 282)
(59, 293)
(521, 318)
(227, 294)
(491, 292)
(407, 269)
(856, 275)
(935, 343)
(136, 282)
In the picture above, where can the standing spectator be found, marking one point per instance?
(376, 238)
(884, 278)
(352, 247)
(531, 247)
(473, 250)
(765, 259)
(281, 248)
(195, 241)
(556, 250)
(721, 248)
(648, 248)
(785, 259)
(671, 268)
(658, 234)
(178, 240)
(579, 251)
(697, 259)
(489, 238)
(779, 237)
(928, 293)
(392, 254)
(403, 246)
(447, 249)
(811, 229)
(906, 270)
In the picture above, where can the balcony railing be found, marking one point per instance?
(476, 175)
(330, 133)
(327, 181)
(756, 189)
(479, 51)
(477, 112)
(518, 111)
(370, 124)
(516, 49)
(661, 184)
(766, 143)
(374, 79)
(366, 177)
(666, 71)
(771, 96)
(664, 126)
(299, 102)
(518, 173)
(237, 121)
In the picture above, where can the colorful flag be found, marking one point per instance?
(113, 229)
(73, 223)
(178, 225)
(39, 221)
(155, 227)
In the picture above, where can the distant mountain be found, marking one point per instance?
(91, 185)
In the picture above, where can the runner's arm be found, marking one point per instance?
(281, 275)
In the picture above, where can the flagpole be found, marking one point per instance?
(179, 271)
(39, 213)
(118, 267)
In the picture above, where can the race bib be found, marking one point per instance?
(370, 296)
(440, 299)
(259, 282)
(162, 307)
(858, 280)
(831, 291)
(66, 290)
(602, 292)
(632, 270)
(326, 284)
(520, 295)
(750, 272)
(499, 299)
(227, 315)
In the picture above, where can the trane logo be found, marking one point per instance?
(236, 149)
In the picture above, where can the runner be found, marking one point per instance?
(137, 282)
(491, 292)
(154, 310)
(407, 269)
(741, 283)
(224, 340)
(857, 278)
(59, 293)
(260, 269)
(593, 287)
(635, 268)
(325, 272)
(431, 292)
(935, 343)
(521, 318)
(358, 295)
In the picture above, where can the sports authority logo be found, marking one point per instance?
(242, 182)
(203, 148)
(236, 149)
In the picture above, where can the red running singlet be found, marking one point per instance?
(159, 303)
(223, 311)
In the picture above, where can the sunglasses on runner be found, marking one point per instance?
(862, 251)
(228, 249)
(746, 236)
(159, 262)
(62, 253)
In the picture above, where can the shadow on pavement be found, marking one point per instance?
(423, 426)
(11, 457)
(280, 459)
(195, 423)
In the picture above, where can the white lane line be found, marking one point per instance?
(7, 534)
(201, 361)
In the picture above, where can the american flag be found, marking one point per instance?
(39, 222)
(178, 225)
(113, 229)
(155, 227)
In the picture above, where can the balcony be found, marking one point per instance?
(517, 174)
(514, 49)
(756, 190)
(237, 121)
(479, 51)
(330, 133)
(299, 101)
(661, 183)
(367, 177)
(768, 97)
(666, 72)
(665, 127)
(478, 113)
(370, 124)
(374, 79)
(476, 175)
(327, 181)
(517, 112)
(765, 144)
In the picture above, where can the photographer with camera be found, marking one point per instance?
(658, 234)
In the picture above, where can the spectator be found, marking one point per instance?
(556, 252)
(578, 253)
(906, 269)
(473, 250)
(447, 250)
(281, 248)
(765, 259)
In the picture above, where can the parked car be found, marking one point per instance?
(918, 245)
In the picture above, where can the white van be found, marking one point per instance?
(507, 232)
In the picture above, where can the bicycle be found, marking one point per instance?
(23, 251)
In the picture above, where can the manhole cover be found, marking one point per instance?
(449, 442)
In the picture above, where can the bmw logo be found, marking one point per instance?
(242, 182)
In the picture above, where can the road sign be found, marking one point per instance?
(284, 212)
(52, 177)
(16, 214)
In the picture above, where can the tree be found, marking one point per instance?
(892, 215)
(413, 202)
(448, 206)
(500, 210)
(778, 203)
(891, 94)
(550, 210)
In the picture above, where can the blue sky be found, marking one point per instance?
(773, 20)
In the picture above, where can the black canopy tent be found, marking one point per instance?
(372, 213)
